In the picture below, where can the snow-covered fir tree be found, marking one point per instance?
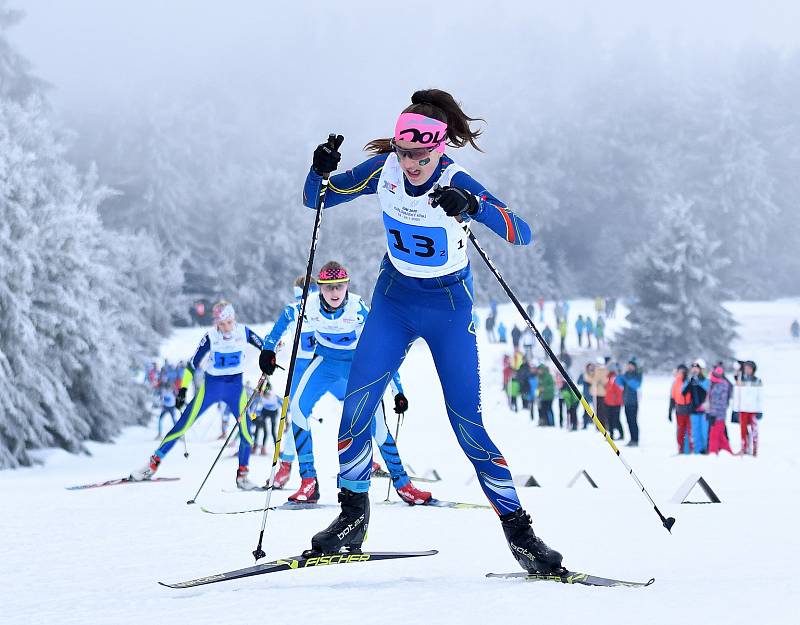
(675, 278)
(78, 304)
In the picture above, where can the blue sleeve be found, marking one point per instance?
(398, 388)
(202, 349)
(492, 213)
(287, 316)
(620, 381)
(634, 382)
(361, 180)
(253, 338)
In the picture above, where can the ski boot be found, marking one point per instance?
(308, 491)
(348, 530)
(282, 476)
(146, 472)
(376, 468)
(413, 496)
(530, 551)
(242, 481)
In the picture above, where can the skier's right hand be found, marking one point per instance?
(326, 156)
(180, 399)
(267, 362)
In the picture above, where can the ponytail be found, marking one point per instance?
(440, 105)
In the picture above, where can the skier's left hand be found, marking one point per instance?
(400, 403)
(454, 201)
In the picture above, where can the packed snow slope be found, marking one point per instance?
(96, 555)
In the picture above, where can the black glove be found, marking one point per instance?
(400, 403)
(454, 201)
(326, 156)
(266, 360)
(180, 399)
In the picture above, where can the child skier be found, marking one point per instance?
(424, 289)
(338, 319)
(224, 346)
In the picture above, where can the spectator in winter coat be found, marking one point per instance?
(493, 307)
(490, 329)
(522, 375)
(719, 396)
(527, 343)
(541, 309)
(508, 371)
(589, 331)
(570, 400)
(599, 305)
(600, 332)
(614, 403)
(547, 393)
(630, 382)
(533, 380)
(531, 310)
(795, 329)
(579, 325)
(562, 332)
(586, 390)
(747, 401)
(598, 380)
(501, 332)
(560, 385)
(547, 334)
(681, 402)
(697, 386)
(516, 334)
(565, 309)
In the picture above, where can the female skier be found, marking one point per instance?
(223, 383)
(338, 318)
(424, 289)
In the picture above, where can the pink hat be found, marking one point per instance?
(416, 128)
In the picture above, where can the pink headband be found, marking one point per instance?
(420, 129)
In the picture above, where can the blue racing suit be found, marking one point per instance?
(217, 386)
(426, 299)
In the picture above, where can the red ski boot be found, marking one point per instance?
(308, 491)
(413, 496)
(146, 472)
(376, 468)
(282, 476)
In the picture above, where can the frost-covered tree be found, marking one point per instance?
(71, 330)
(675, 280)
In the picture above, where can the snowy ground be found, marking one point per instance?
(95, 556)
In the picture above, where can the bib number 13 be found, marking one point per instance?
(423, 246)
(416, 244)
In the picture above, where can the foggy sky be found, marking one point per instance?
(355, 63)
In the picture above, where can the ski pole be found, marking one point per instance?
(400, 416)
(334, 142)
(666, 522)
(242, 415)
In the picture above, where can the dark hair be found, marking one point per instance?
(440, 105)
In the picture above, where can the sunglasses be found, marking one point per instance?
(415, 154)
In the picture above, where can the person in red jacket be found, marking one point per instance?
(614, 403)
(681, 402)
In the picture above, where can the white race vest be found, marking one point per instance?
(423, 242)
(306, 347)
(227, 355)
(341, 333)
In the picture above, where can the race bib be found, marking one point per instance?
(416, 244)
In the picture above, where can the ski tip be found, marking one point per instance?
(650, 581)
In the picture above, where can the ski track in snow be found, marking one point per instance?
(96, 555)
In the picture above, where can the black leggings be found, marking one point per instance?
(261, 426)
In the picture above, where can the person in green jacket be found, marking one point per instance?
(547, 392)
(571, 402)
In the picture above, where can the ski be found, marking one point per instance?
(122, 480)
(289, 505)
(301, 562)
(439, 503)
(572, 577)
(413, 478)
